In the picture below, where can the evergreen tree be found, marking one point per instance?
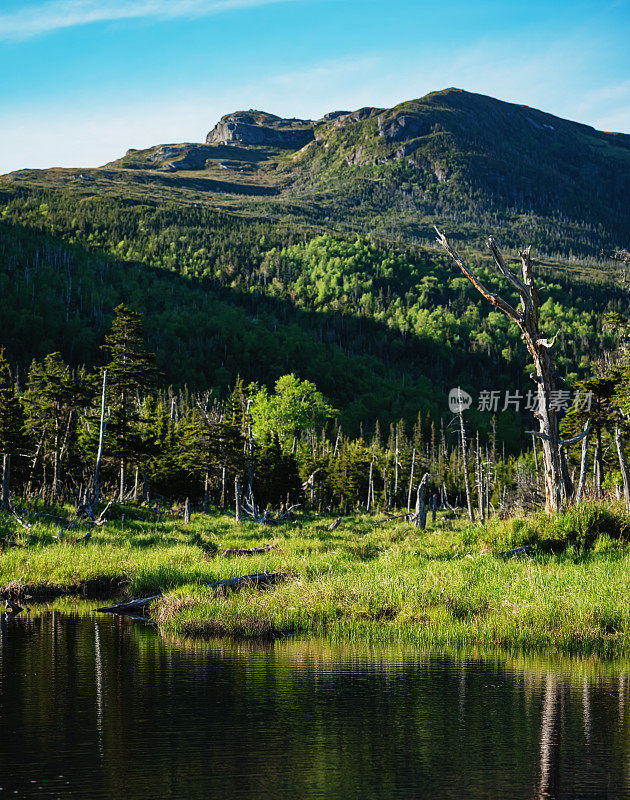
(131, 373)
(232, 442)
(53, 396)
(11, 428)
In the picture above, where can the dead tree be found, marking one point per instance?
(237, 498)
(101, 435)
(480, 484)
(623, 465)
(5, 495)
(462, 440)
(558, 484)
(421, 508)
(413, 464)
(583, 463)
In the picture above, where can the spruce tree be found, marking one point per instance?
(232, 441)
(11, 428)
(131, 373)
(53, 395)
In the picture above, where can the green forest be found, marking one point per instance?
(234, 319)
(383, 331)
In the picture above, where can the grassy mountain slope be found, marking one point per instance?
(477, 164)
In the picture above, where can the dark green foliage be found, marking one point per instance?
(276, 472)
(131, 373)
(311, 269)
(381, 331)
(12, 439)
(54, 396)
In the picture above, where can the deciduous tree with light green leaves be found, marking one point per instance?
(295, 407)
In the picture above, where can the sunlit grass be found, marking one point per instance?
(367, 580)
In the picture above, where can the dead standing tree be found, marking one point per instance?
(558, 484)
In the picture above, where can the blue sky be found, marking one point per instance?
(83, 80)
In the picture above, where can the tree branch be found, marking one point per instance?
(492, 298)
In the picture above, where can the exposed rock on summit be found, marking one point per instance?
(259, 128)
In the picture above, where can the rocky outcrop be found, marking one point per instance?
(186, 156)
(331, 115)
(258, 128)
(403, 127)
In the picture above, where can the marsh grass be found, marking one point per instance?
(368, 581)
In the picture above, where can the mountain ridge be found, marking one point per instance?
(486, 164)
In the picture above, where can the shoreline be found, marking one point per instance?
(366, 581)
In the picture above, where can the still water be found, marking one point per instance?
(103, 707)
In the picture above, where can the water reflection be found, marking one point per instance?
(103, 707)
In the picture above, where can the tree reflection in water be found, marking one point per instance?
(119, 711)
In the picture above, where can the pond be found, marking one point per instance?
(95, 706)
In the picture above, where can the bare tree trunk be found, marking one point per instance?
(223, 487)
(369, 494)
(488, 495)
(396, 470)
(250, 451)
(583, 464)
(123, 480)
(413, 464)
(145, 486)
(55, 475)
(462, 434)
(187, 511)
(99, 454)
(421, 508)
(29, 487)
(623, 465)
(206, 493)
(597, 464)
(558, 485)
(5, 497)
(480, 485)
(237, 497)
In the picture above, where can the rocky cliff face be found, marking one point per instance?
(258, 128)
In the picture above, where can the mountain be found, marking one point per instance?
(282, 245)
(455, 144)
(484, 164)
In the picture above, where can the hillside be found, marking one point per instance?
(482, 164)
(295, 245)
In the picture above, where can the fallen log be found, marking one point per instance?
(131, 607)
(249, 551)
(518, 551)
(260, 579)
(392, 517)
(4, 543)
(13, 608)
(334, 525)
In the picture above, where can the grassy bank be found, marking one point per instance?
(376, 582)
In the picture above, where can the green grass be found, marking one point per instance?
(444, 587)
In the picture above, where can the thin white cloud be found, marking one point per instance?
(24, 23)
